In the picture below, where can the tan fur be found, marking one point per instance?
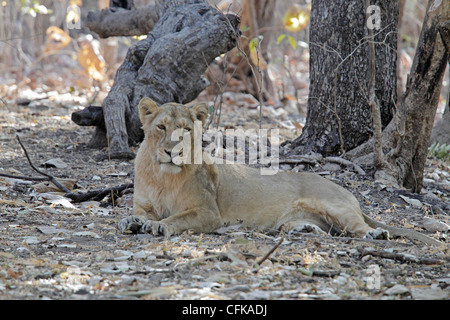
(169, 199)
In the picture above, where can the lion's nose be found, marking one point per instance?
(168, 152)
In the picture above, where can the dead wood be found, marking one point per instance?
(49, 177)
(98, 194)
(272, 250)
(23, 177)
(345, 162)
(167, 66)
(114, 21)
(90, 116)
(402, 257)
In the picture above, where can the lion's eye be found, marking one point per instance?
(161, 127)
(187, 129)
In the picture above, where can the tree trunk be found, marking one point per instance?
(412, 125)
(441, 130)
(167, 66)
(339, 117)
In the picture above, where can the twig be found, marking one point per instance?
(307, 161)
(403, 257)
(345, 162)
(50, 178)
(270, 252)
(22, 177)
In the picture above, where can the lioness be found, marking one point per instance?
(170, 198)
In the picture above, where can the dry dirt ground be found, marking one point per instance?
(51, 248)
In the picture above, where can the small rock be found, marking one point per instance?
(340, 280)
(86, 234)
(48, 230)
(255, 295)
(54, 163)
(331, 167)
(142, 254)
(428, 293)
(30, 240)
(414, 202)
(434, 225)
(397, 289)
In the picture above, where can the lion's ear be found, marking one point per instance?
(200, 112)
(146, 107)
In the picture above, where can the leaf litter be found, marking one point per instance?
(53, 248)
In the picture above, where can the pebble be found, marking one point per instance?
(255, 295)
(434, 225)
(429, 293)
(30, 240)
(86, 234)
(48, 230)
(397, 289)
(340, 280)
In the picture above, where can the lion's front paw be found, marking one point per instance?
(157, 228)
(307, 228)
(131, 224)
(378, 233)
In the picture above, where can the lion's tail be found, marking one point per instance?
(400, 232)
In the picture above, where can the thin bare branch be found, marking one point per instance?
(50, 177)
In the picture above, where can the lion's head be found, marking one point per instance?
(164, 128)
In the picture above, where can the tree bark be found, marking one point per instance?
(407, 137)
(339, 115)
(167, 66)
(441, 130)
(121, 19)
(405, 163)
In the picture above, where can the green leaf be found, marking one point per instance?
(292, 42)
(281, 38)
(253, 44)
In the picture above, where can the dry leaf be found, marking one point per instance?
(90, 59)
(56, 39)
(298, 125)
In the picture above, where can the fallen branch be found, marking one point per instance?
(345, 162)
(23, 177)
(98, 194)
(313, 160)
(310, 162)
(49, 177)
(270, 252)
(111, 22)
(403, 257)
